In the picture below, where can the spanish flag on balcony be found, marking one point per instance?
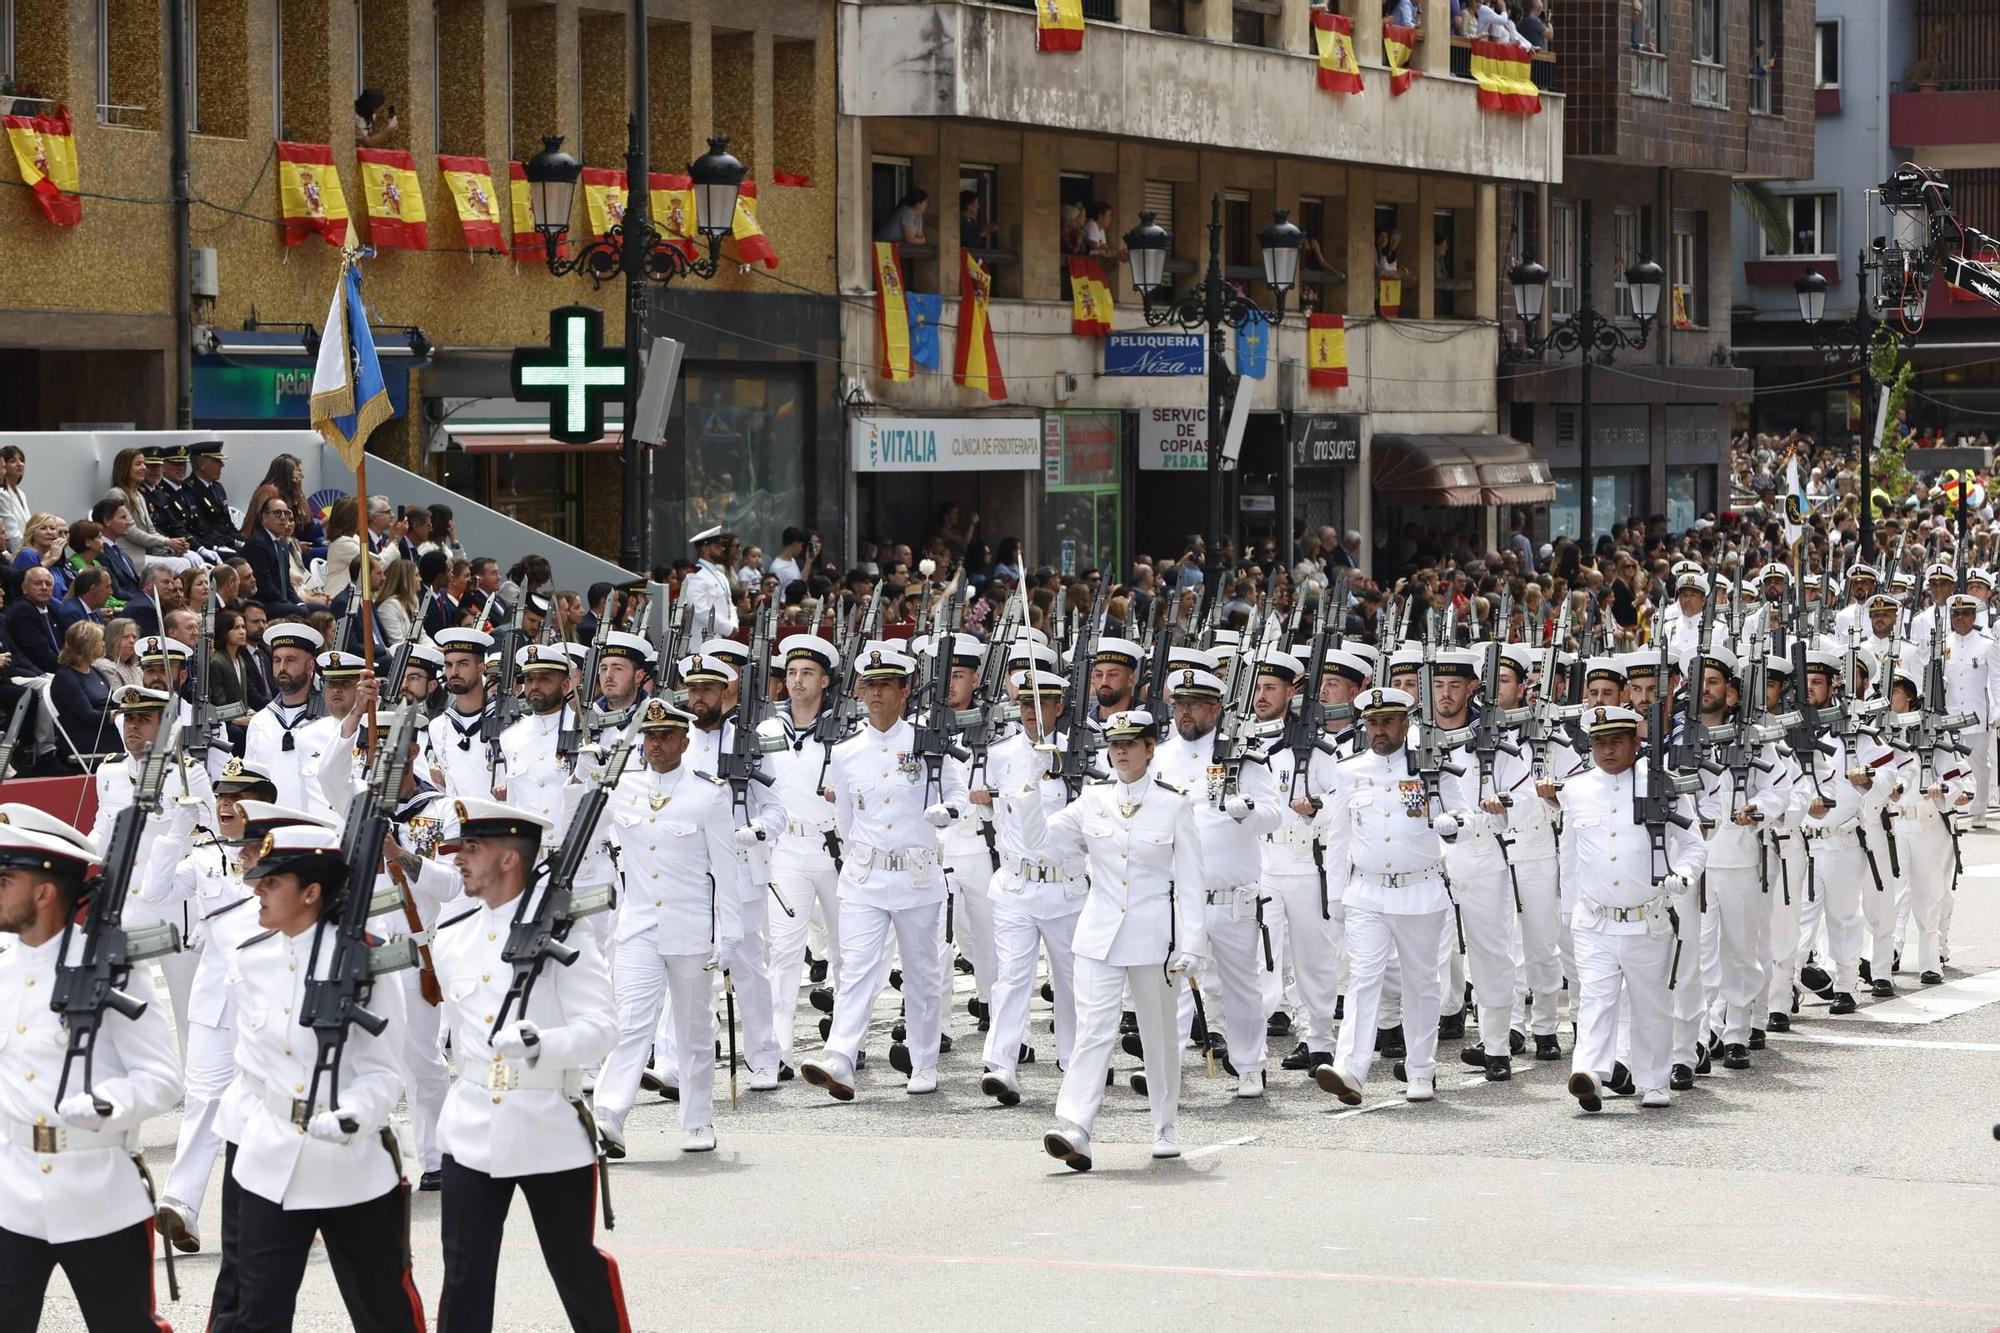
(395, 199)
(1326, 352)
(1333, 38)
(752, 245)
(528, 243)
(1505, 74)
(603, 199)
(309, 193)
(976, 362)
(471, 184)
(1399, 44)
(1388, 296)
(892, 315)
(1059, 25)
(671, 197)
(45, 149)
(1090, 298)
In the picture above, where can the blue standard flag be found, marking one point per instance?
(349, 398)
(1253, 348)
(926, 309)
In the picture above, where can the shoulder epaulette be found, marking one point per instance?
(1107, 782)
(447, 925)
(257, 939)
(1168, 786)
(210, 916)
(1349, 758)
(709, 777)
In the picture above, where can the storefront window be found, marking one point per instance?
(1614, 495)
(741, 463)
(539, 489)
(1082, 500)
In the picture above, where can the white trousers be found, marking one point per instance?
(1927, 863)
(426, 1078)
(648, 986)
(1743, 938)
(1277, 925)
(1415, 939)
(177, 970)
(1018, 940)
(749, 965)
(208, 1066)
(1546, 955)
(971, 926)
(1878, 906)
(1486, 912)
(807, 881)
(1313, 947)
(1100, 996)
(1638, 963)
(1236, 949)
(1787, 871)
(865, 934)
(1980, 741)
(1840, 874)
(1700, 963)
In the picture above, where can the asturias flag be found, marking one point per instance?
(349, 397)
(1333, 38)
(1326, 352)
(309, 193)
(1059, 25)
(926, 313)
(1253, 348)
(892, 315)
(471, 184)
(45, 149)
(395, 199)
(976, 362)
(752, 245)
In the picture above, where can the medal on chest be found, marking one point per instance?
(659, 800)
(907, 765)
(1126, 809)
(1412, 792)
(1216, 779)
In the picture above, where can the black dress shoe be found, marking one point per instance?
(1817, 980)
(1473, 1055)
(1132, 1046)
(1401, 1071)
(1843, 1003)
(1620, 1081)
(1756, 1039)
(1702, 1052)
(1517, 1041)
(1339, 1008)
(1547, 1048)
(1138, 1082)
(1883, 989)
(1451, 1027)
(944, 1043)
(1681, 1079)
(432, 1182)
(985, 1023)
(1867, 972)
(963, 964)
(1932, 978)
(821, 998)
(1389, 1041)
(1128, 1021)
(1779, 1021)
(1300, 1058)
(786, 1073)
(1735, 1056)
(1499, 1069)
(817, 972)
(860, 1060)
(899, 1031)
(1048, 993)
(1026, 1056)
(899, 1058)
(896, 978)
(1321, 1058)
(1279, 1025)
(975, 1007)
(825, 1026)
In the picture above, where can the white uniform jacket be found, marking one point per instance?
(1034, 883)
(1607, 860)
(678, 857)
(890, 856)
(1379, 835)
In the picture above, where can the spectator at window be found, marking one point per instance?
(1096, 228)
(1640, 40)
(1759, 67)
(953, 529)
(973, 234)
(1404, 12)
(1535, 27)
(1072, 229)
(1496, 26)
(369, 132)
(905, 225)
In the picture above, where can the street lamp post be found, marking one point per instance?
(1214, 304)
(552, 177)
(1847, 342)
(1588, 332)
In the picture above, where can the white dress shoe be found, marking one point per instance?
(1165, 1145)
(613, 1137)
(652, 1080)
(1069, 1146)
(1332, 1080)
(763, 1080)
(921, 1082)
(180, 1224)
(1001, 1086)
(701, 1139)
(831, 1072)
(1420, 1090)
(1251, 1084)
(1656, 1097)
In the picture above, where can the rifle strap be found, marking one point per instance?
(582, 1108)
(166, 1245)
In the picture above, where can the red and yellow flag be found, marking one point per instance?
(528, 243)
(892, 315)
(671, 197)
(395, 199)
(1333, 38)
(45, 149)
(1399, 44)
(976, 360)
(1089, 297)
(603, 199)
(1388, 296)
(1326, 352)
(1059, 25)
(471, 184)
(798, 178)
(752, 245)
(309, 193)
(1505, 74)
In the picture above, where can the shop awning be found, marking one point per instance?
(1459, 471)
(522, 441)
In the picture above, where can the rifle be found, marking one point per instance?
(1659, 806)
(1429, 756)
(1690, 743)
(982, 723)
(334, 1003)
(1305, 735)
(568, 741)
(837, 711)
(1489, 739)
(96, 981)
(742, 762)
(1547, 715)
(205, 717)
(1748, 733)
(507, 702)
(536, 938)
(1077, 764)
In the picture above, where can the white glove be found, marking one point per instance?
(182, 819)
(1182, 963)
(79, 1111)
(519, 1043)
(940, 816)
(1446, 826)
(749, 836)
(326, 1127)
(1237, 808)
(1674, 885)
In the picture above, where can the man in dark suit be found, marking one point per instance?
(256, 657)
(31, 623)
(89, 590)
(269, 552)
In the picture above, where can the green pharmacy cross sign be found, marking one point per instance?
(575, 374)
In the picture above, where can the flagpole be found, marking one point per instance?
(366, 608)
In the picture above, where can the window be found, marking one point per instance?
(1628, 234)
(888, 180)
(1763, 56)
(6, 39)
(1254, 22)
(1314, 264)
(1646, 25)
(1685, 311)
(1711, 77)
(1237, 250)
(131, 68)
(981, 231)
(1169, 16)
(1814, 220)
(1826, 55)
(1562, 260)
(1444, 264)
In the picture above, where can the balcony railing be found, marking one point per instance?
(1545, 70)
(1711, 84)
(1649, 74)
(1104, 11)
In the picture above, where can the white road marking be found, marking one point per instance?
(1214, 1148)
(1903, 1043)
(1928, 1004)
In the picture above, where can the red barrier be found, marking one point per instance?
(72, 800)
